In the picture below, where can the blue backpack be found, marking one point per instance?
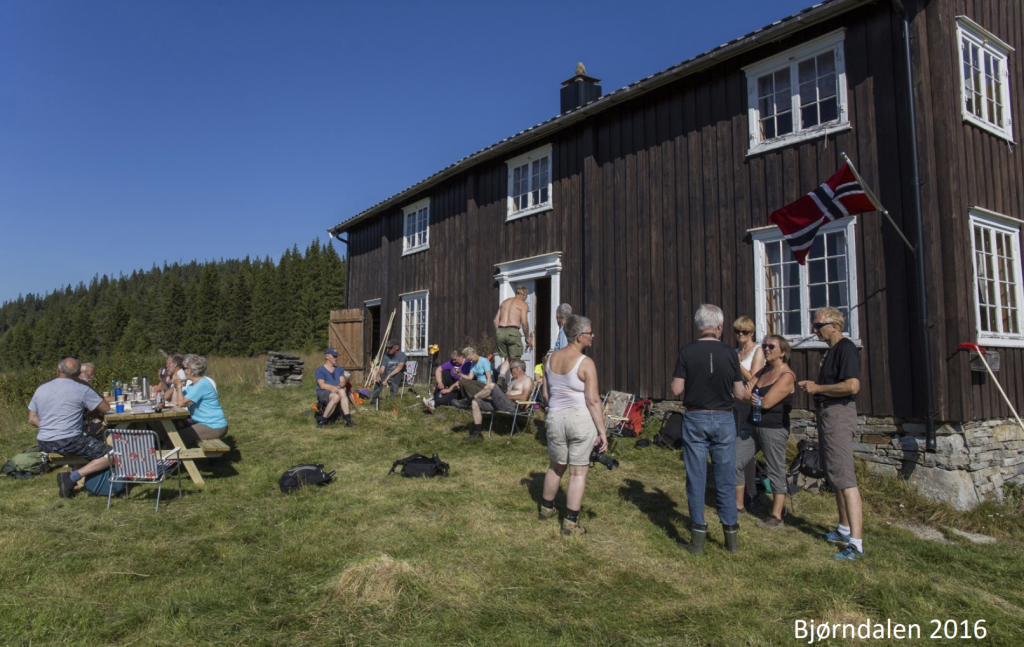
(99, 484)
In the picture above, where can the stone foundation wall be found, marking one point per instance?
(971, 463)
(283, 369)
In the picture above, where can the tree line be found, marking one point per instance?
(227, 307)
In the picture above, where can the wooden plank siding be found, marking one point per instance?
(653, 199)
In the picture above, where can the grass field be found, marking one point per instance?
(377, 559)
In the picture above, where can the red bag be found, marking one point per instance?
(636, 415)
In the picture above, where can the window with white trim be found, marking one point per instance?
(984, 78)
(995, 241)
(417, 226)
(414, 323)
(529, 183)
(788, 293)
(798, 94)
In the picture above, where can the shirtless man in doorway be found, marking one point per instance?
(512, 314)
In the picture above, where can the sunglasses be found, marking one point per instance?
(743, 332)
(768, 346)
(589, 332)
(818, 325)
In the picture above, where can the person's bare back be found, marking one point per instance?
(511, 312)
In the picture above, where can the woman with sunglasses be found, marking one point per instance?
(776, 384)
(751, 362)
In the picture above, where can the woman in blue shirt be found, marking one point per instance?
(202, 401)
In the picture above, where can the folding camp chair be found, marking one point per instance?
(524, 410)
(135, 457)
(617, 406)
(410, 376)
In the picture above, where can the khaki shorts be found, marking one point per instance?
(510, 343)
(571, 436)
(836, 426)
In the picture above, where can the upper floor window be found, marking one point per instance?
(417, 226)
(788, 293)
(984, 78)
(995, 241)
(529, 183)
(798, 94)
(414, 323)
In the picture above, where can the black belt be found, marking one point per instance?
(516, 327)
(828, 403)
(714, 410)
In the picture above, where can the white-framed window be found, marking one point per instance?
(788, 293)
(798, 94)
(984, 78)
(529, 183)
(417, 226)
(414, 322)
(998, 286)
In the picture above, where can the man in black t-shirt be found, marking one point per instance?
(708, 376)
(836, 413)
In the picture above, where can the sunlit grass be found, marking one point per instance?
(378, 559)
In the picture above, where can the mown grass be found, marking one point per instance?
(377, 559)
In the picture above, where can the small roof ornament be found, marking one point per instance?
(581, 75)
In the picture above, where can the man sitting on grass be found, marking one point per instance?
(57, 409)
(519, 389)
(330, 389)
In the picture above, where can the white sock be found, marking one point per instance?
(843, 530)
(858, 544)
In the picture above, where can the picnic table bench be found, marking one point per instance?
(163, 423)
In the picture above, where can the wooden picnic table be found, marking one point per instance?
(163, 422)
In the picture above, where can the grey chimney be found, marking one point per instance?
(579, 90)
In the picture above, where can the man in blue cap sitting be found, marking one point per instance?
(330, 389)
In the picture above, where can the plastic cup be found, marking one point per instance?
(120, 407)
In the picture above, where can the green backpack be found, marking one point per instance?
(26, 465)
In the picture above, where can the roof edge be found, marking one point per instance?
(778, 30)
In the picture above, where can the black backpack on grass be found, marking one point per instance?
(671, 434)
(300, 475)
(419, 466)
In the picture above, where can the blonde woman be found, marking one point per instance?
(751, 358)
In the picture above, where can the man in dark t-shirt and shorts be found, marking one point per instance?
(836, 413)
(708, 376)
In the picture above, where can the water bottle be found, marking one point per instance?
(757, 406)
(117, 391)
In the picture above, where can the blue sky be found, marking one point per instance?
(134, 133)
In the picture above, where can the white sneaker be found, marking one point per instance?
(429, 404)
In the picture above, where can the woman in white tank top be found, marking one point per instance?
(751, 358)
(575, 421)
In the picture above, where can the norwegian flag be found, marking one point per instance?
(840, 196)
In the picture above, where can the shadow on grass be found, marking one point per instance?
(223, 466)
(659, 507)
(535, 484)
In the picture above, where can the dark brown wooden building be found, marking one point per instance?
(642, 204)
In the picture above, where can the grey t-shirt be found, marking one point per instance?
(389, 363)
(60, 404)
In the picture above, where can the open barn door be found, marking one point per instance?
(346, 335)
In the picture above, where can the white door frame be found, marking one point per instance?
(535, 267)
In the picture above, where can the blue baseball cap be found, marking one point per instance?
(331, 351)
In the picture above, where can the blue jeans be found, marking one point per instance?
(715, 432)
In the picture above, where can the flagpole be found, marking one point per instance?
(875, 201)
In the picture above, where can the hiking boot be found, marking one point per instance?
(349, 423)
(849, 553)
(547, 513)
(429, 404)
(572, 528)
(321, 423)
(771, 522)
(476, 435)
(65, 486)
(697, 537)
(464, 403)
(835, 537)
(731, 536)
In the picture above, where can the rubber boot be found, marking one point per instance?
(697, 536)
(730, 536)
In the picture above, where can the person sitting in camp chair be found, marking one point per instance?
(331, 393)
(492, 398)
(391, 370)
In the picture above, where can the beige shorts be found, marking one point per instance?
(836, 427)
(571, 436)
